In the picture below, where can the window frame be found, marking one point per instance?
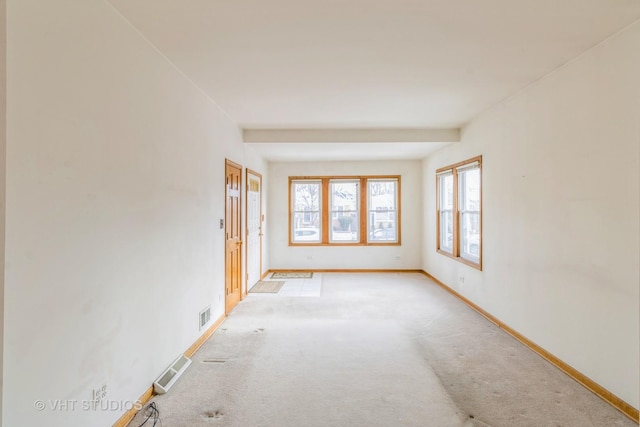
(396, 211)
(440, 211)
(293, 212)
(456, 252)
(333, 210)
(362, 209)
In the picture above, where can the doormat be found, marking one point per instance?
(293, 275)
(267, 287)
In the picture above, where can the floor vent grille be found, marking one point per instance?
(171, 375)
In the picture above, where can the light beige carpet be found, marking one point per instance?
(375, 350)
(267, 286)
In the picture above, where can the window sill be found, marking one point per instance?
(477, 266)
(346, 244)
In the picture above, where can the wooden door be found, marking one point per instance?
(254, 228)
(233, 243)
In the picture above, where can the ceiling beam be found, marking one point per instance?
(351, 135)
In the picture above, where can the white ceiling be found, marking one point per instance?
(368, 64)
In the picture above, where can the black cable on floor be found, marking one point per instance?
(153, 411)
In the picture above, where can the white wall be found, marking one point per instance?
(115, 186)
(561, 207)
(283, 256)
(3, 146)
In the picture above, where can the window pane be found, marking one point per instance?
(446, 231)
(306, 212)
(344, 203)
(470, 190)
(306, 196)
(470, 235)
(446, 192)
(469, 199)
(382, 204)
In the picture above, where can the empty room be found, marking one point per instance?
(334, 213)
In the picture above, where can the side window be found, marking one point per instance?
(459, 211)
(445, 211)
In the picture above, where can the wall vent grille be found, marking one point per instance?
(205, 317)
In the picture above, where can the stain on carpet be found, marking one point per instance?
(213, 415)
